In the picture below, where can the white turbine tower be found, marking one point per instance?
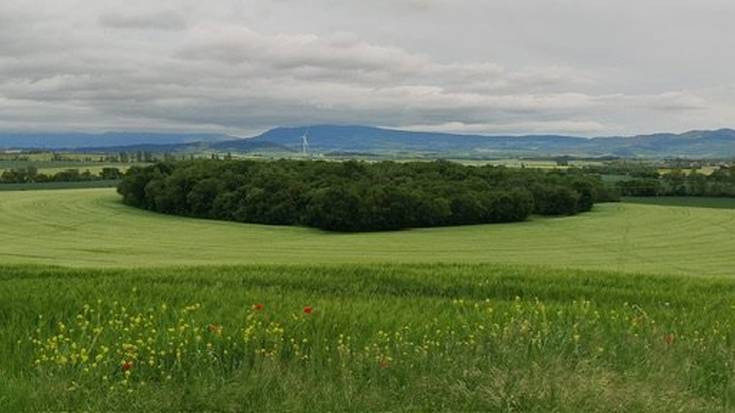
(305, 143)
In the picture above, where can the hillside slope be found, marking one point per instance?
(92, 228)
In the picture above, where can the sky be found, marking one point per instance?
(578, 67)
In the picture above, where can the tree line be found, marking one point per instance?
(357, 196)
(30, 174)
(721, 183)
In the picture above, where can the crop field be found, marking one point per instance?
(53, 167)
(684, 201)
(46, 157)
(32, 186)
(705, 170)
(92, 228)
(540, 164)
(628, 308)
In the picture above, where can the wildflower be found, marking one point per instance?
(215, 329)
(669, 339)
(258, 307)
(308, 310)
(127, 366)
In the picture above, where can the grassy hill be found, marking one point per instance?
(92, 228)
(684, 201)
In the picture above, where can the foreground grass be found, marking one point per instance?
(364, 338)
(91, 228)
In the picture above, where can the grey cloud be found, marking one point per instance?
(675, 101)
(460, 65)
(288, 51)
(163, 20)
(545, 127)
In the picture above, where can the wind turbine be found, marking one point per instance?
(305, 143)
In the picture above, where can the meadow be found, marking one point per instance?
(92, 228)
(33, 186)
(364, 338)
(51, 167)
(685, 201)
(627, 308)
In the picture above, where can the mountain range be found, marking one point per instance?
(345, 140)
(72, 140)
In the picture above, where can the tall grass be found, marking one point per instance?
(364, 338)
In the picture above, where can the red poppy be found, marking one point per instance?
(258, 307)
(308, 310)
(127, 366)
(215, 329)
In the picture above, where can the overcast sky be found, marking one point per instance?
(582, 67)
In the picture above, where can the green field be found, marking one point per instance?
(93, 228)
(684, 201)
(46, 164)
(53, 167)
(629, 308)
(59, 185)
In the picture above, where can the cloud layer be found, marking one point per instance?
(556, 66)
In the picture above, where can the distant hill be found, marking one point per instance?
(329, 138)
(336, 139)
(102, 140)
(251, 145)
(708, 144)
(234, 145)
